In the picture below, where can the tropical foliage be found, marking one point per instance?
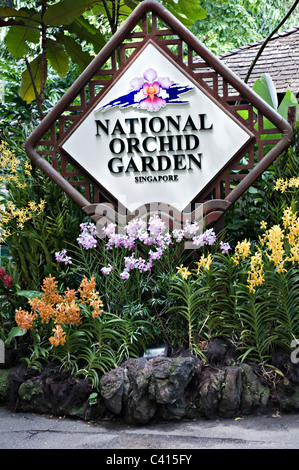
(90, 299)
(35, 213)
(231, 24)
(43, 33)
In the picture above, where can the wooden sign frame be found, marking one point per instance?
(150, 21)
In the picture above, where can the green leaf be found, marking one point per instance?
(192, 10)
(265, 88)
(7, 12)
(83, 31)
(79, 57)
(58, 58)
(244, 113)
(86, 25)
(14, 332)
(176, 12)
(26, 90)
(130, 4)
(288, 100)
(29, 294)
(18, 36)
(93, 398)
(65, 11)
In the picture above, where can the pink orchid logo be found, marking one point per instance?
(151, 94)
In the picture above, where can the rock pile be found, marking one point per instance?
(161, 388)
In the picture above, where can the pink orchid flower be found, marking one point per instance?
(151, 87)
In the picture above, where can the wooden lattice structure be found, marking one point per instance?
(150, 21)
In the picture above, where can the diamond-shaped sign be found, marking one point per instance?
(164, 146)
(157, 118)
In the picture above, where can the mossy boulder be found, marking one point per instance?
(4, 386)
(31, 396)
(143, 388)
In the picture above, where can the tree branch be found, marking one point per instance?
(260, 51)
(44, 54)
(117, 13)
(11, 22)
(108, 15)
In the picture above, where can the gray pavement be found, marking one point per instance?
(33, 431)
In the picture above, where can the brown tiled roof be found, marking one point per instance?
(280, 59)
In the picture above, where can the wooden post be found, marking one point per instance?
(292, 111)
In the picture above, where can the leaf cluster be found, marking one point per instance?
(219, 304)
(54, 34)
(48, 33)
(92, 346)
(31, 248)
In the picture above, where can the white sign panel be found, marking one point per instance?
(155, 136)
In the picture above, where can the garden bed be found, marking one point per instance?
(79, 319)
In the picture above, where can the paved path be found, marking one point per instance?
(32, 431)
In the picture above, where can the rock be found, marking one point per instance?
(255, 395)
(112, 389)
(221, 351)
(31, 396)
(139, 405)
(4, 386)
(67, 395)
(283, 361)
(52, 391)
(230, 392)
(174, 411)
(139, 386)
(209, 392)
(287, 396)
(170, 378)
(163, 388)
